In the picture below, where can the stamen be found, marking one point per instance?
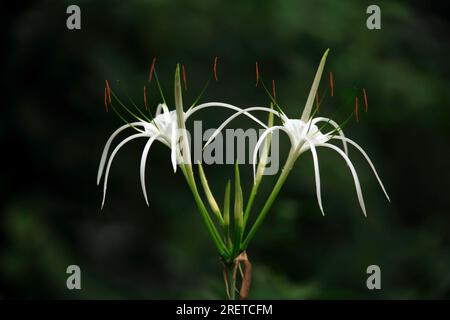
(356, 109)
(317, 101)
(366, 104)
(145, 98)
(106, 101)
(257, 73)
(183, 71)
(152, 69)
(215, 68)
(274, 91)
(108, 90)
(331, 84)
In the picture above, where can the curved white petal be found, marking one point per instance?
(227, 121)
(108, 167)
(108, 144)
(316, 173)
(173, 147)
(353, 171)
(357, 146)
(161, 107)
(143, 163)
(261, 140)
(336, 126)
(192, 110)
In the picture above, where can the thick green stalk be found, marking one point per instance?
(187, 167)
(260, 170)
(238, 214)
(281, 179)
(204, 212)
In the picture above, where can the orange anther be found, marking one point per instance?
(145, 98)
(331, 84)
(366, 104)
(108, 91)
(106, 101)
(274, 90)
(215, 68)
(184, 77)
(152, 69)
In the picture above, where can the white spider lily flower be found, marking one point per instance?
(164, 128)
(304, 135)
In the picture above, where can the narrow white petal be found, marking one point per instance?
(173, 147)
(158, 109)
(143, 163)
(229, 106)
(162, 108)
(261, 140)
(108, 167)
(108, 145)
(352, 169)
(357, 146)
(336, 126)
(316, 173)
(242, 111)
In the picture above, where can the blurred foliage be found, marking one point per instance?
(53, 128)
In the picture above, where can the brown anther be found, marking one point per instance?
(366, 104)
(145, 98)
(152, 69)
(356, 109)
(215, 68)
(183, 71)
(274, 90)
(106, 100)
(331, 84)
(108, 91)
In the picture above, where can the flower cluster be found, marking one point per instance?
(168, 127)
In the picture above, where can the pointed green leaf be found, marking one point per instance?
(183, 139)
(209, 196)
(312, 93)
(226, 210)
(238, 212)
(179, 98)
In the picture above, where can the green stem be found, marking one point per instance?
(281, 179)
(248, 208)
(204, 212)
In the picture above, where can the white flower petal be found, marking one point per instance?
(316, 173)
(108, 144)
(108, 167)
(161, 107)
(368, 160)
(336, 126)
(353, 171)
(143, 163)
(199, 107)
(227, 121)
(261, 140)
(173, 147)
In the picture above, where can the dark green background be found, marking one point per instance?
(53, 127)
